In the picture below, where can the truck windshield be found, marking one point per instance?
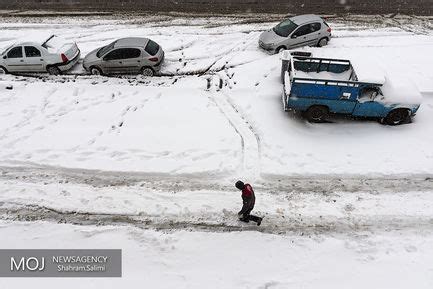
(105, 49)
(285, 28)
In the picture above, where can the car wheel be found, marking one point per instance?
(317, 113)
(279, 49)
(322, 42)
(95, 71)
(54, 70)
(147, 71)
(397, 116)
(3, 70)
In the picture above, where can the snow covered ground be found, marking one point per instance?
(234, 260)
(313, 211)
(175, 124)
(174, 237)
(147, 165)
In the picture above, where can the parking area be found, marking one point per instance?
(216, 107)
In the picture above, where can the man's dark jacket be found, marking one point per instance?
(249, 199)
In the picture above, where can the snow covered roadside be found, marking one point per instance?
(180, 125)
(234, 260)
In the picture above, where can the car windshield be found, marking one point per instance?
(105, 49)
(285, 28)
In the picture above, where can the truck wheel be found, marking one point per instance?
(95, 70)
(53, 70)
(3, 70)
(317, 113)
(147, 71)
(397, 116)
(322, 42)
(279, 49)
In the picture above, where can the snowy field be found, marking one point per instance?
(148, 164)
(177, 124)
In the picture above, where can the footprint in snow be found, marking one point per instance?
(101, 149)
(410, 249)
(75, 92)
(84, 201)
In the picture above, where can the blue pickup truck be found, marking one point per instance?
(320, 86)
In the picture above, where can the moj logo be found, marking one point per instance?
(28, 264)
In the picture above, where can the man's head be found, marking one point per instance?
(240, 185)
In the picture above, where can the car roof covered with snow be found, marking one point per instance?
(131, 41)
(301, 19)
(29, 43)
(36, 39)
(51, 42)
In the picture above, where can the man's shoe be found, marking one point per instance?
(244, 220)
(259, 221)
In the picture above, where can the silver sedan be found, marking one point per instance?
(132, 55)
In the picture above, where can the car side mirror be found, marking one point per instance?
(5, 57)
(294, 36)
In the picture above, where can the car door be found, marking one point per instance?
(346, 101)
(316, 33)
(14, 60)
(112, 61)
(302, 36)
(131, 60)
(367, 106)
(34, 59)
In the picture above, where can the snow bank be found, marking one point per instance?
(401, 90)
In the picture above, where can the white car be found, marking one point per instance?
(55, 55)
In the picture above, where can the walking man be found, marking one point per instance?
(249, 199)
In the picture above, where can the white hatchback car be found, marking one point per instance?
(55, 55)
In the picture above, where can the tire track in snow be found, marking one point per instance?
(257, 143)
(250, 142)
(237, 48)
